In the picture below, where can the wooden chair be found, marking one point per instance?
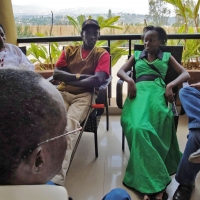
(176, 52)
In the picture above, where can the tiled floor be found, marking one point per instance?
(90, 178)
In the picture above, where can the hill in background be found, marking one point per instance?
(35, 15)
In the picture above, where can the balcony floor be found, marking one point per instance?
(90, 179)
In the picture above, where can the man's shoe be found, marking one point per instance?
(195, 157)
(183, 192)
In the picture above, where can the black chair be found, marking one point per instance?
(23, 49)
(92, 121)
(90, 124)
(176, 52)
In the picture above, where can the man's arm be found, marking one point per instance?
(63, 75)
(83, 80)
(95, 80)
(196, 85)
(101, 73)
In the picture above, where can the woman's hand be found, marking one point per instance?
(131, 88)
(169, 93)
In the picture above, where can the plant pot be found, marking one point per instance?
(194, 76)
(45, 73)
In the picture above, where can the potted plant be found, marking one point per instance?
(43, 60)
(188, 12)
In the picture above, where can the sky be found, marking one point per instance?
(132, 6)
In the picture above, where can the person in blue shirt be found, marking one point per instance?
(189, 165)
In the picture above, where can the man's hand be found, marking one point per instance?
(196, 85)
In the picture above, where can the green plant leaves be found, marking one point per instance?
(41, 54)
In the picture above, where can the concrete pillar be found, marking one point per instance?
(8, 21)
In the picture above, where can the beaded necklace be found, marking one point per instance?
(2, 60)
(83, 59)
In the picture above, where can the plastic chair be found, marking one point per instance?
(33, 192)
(176, 52)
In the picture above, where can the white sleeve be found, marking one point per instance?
(21, 60)
(24, 61)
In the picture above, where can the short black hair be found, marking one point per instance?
(162, 35)
(28, 115)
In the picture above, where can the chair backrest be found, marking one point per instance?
(33, 192)
(23, 49)
(176, 52)
(110, 84)
(102, 96)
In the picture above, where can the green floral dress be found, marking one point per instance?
(147, 122)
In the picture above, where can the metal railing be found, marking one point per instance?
(108, 38)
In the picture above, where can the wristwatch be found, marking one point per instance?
(78, 76)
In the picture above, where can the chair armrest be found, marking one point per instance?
(106, 83)
(119, 95)
(102, 97)
(102, 92)
(50, 79)
(182, 111)
(119, 91)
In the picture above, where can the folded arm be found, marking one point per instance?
(85, 80)
(95, 80)
(63, 75)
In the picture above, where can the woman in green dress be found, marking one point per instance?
(147, 120)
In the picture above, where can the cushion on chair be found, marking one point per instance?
(33, 192)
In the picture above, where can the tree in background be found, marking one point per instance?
(188, 12)
(180, 17)
(109, 13)
(158, 12)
